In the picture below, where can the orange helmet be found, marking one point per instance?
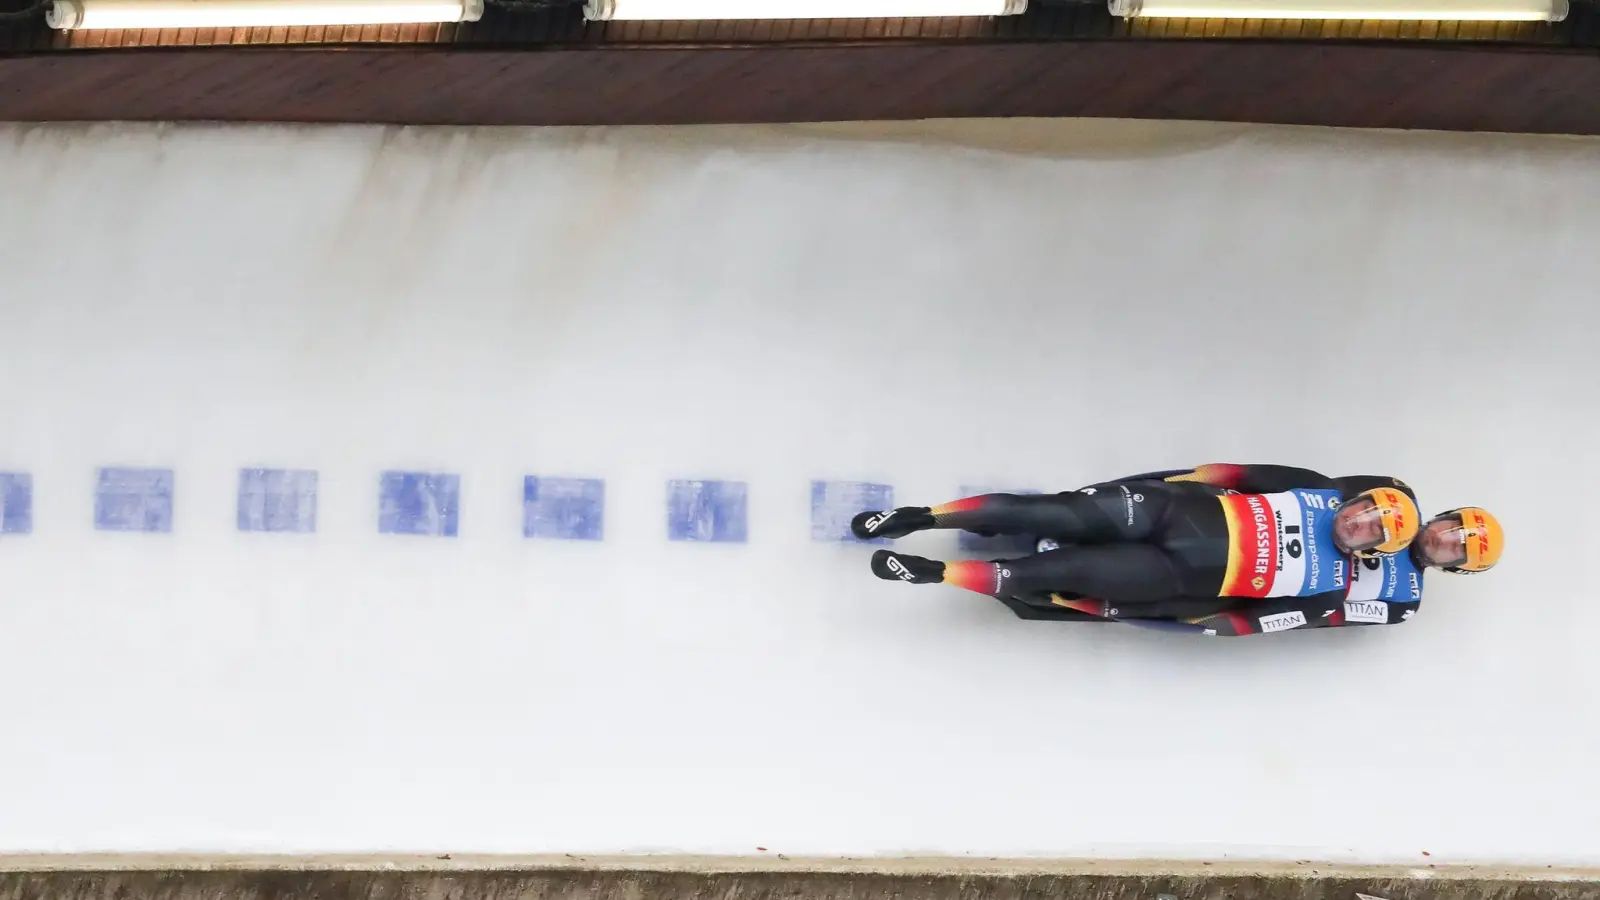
(1378, 522)
(1482, 540)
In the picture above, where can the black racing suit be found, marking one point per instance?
(1235, 618)
(1157, 542)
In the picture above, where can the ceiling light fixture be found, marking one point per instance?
(1403, 10)
(102, 14)
(617, 10)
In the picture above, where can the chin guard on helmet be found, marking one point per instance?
(1393, 518)
(1482, 539)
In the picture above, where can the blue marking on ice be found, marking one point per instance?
(716, 511)
(419, 503)
(570, 509)
(16, 503)
(278, 500)
(835, 503)
(1000, 545)
(133, 500)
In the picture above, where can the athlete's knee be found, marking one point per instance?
(1035, 573)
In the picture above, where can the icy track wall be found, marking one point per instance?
(452, 491)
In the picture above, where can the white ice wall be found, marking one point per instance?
(981, 304)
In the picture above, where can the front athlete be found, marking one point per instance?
(1382, 590)
(1245, 532)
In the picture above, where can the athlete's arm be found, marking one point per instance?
(1163, 475)
(1250, 479)
(1289, 614)
(1034, 612)
(1253, 617)
(1366, 613)
(1082, 610)
(1271, 616)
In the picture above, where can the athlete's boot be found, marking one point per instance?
(891, 566)
(896, 523)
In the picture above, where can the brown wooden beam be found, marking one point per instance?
(1388, 84)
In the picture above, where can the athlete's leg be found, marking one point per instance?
(1177, 609)
(1116, 573)
(1115, 513)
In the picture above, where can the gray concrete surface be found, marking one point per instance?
(447, 878)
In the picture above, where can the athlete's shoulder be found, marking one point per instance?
(1403, 488)
(1350, 485)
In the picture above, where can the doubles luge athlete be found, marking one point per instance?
(1220, 549)
(1382, 590)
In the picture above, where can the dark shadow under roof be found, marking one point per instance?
(551, 67)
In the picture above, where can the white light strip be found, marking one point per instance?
(617, 10)
(99, 14)
(1404, 10)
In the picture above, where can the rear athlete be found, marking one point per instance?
(1277, 534)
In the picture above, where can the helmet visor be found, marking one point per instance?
(1358, 526)
(1443, 542)
(1379, 521)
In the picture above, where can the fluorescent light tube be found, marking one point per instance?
(616, 10)
(1407, 10)
(86, 14)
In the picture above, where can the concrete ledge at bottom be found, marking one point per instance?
(574, 878)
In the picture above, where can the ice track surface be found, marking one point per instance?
(274, 576)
